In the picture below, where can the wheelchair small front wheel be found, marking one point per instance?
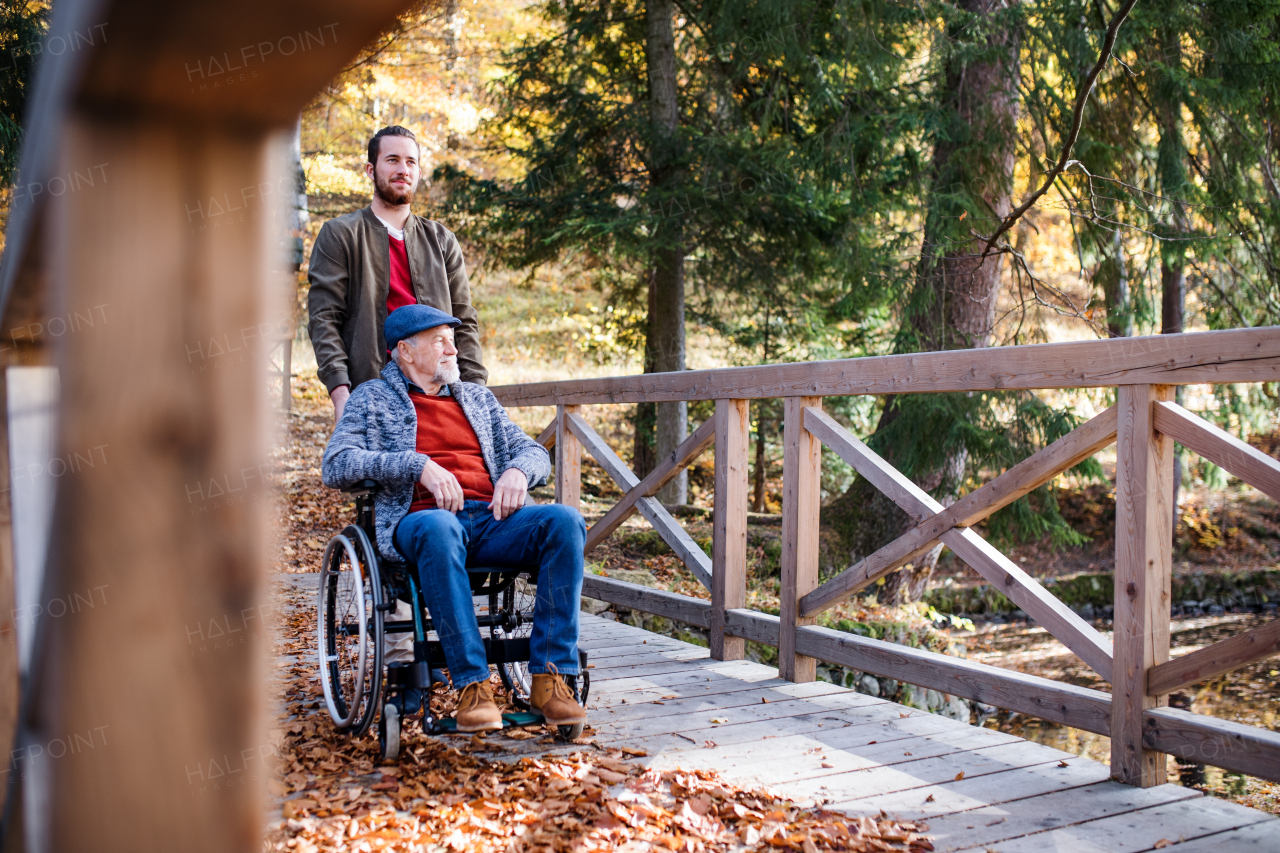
(570, 733)
(389, 732)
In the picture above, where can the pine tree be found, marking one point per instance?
(765, 174)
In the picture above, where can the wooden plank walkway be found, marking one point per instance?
(978, 789)
(859, 754)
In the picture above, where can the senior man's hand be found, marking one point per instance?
(508, 495)
(442, 485)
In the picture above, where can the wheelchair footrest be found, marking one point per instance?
(516, 719)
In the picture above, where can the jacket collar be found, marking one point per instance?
(371, 218)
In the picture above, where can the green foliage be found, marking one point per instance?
(22, 27)
(789, 163)
(819, 140)
(989, 432)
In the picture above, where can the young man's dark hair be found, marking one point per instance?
(375, 143)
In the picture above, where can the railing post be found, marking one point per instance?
(801, 502)
(1144, 557)
(568, 460)
(729, 539)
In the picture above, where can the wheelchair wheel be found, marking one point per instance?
(389, 732)
(349, 625)
(572, 732)
(518, 600)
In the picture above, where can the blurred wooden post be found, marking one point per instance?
(801, 502)
(729, 538)
(568, 460)
(167, 717)
(1144, 557)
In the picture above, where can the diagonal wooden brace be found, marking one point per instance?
(1219, 447)
(679, 459)
(1032, 472)
(654, 512)
(1216, 659)
(1058, 619)
(547, 438)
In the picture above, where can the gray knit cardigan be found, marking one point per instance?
(376, 439)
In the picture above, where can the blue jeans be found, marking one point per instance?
(550, 537)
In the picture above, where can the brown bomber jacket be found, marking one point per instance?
(349, 273)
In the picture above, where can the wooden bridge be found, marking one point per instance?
(977, 789)
(1143, 423)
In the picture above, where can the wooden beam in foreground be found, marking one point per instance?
(1219, 447)
(1237, 355)
(1005, 575)
(690, 449)
(1032, 472)
(1214, 660)
(169, 559)
(653, 511)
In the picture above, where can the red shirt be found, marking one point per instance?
(400, 287)
(445, 434)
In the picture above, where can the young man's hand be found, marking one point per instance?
(339, 397)
(508, 495)
(443, 486)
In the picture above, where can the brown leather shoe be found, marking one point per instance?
(551, 697)
(477, 712)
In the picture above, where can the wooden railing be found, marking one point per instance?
(1143, 423)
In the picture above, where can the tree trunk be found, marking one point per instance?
(666, 320)
(644, 457)
(952, 305)
(1113, 275)
(1171, 166)
(757, 495)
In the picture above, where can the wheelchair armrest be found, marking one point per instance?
(362, 488)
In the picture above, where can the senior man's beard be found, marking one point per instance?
(392, 195)
(446, 373)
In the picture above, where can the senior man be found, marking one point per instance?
(453, 471)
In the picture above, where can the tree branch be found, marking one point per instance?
(1077, 119)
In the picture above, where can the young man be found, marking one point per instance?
(366, 264)
(453, 471)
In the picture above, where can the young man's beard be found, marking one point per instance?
(446, 374)
(392, 196)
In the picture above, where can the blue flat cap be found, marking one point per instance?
(407, 320)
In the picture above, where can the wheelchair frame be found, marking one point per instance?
(382, 583)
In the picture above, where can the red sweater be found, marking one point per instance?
(400, 285)
(445, 434)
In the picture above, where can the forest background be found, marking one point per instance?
(667, 184)
(651, 185)
(660, 185)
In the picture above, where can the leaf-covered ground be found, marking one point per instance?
(516, 791)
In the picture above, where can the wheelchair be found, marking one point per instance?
(359, 591)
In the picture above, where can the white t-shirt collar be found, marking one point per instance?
(398, 233)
